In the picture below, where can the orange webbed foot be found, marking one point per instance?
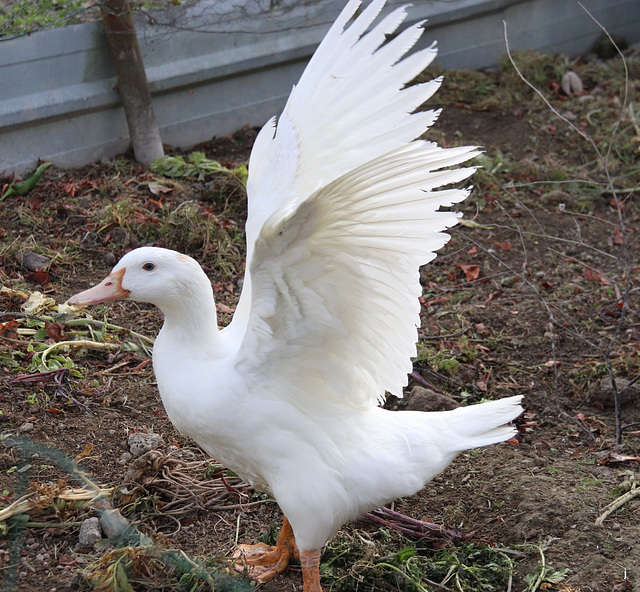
(264, 562)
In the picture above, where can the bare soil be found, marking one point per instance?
(526, 301)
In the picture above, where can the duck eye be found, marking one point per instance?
(148, 267)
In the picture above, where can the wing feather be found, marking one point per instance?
(337, 284)
(344, 206)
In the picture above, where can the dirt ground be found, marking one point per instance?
(532, 297)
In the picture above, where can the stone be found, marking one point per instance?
(139, 443)
(424, 399)
(90, 533)
(555, 198)
(33, 261)
(601, 393)
(113, 523)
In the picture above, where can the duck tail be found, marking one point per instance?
(483, 424)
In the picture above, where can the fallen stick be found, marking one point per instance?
(617, 503)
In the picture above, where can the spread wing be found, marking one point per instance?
(346, 110)
(335, 309)
(343, 209)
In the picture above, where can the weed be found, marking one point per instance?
(197, 166)
(469, 567)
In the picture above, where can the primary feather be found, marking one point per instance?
(344, 207)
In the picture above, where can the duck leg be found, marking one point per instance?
(310, 561)
(264, 562)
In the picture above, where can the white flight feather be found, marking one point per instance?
(335, 283)
(343, 209)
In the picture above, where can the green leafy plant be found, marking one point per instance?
(196, 166)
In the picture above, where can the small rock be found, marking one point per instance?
(140, 443)
(134, 242)
(113, 523)
(601, 392)
(90, 533)
(572, 84)
(33, 261)
(423, 399)
(125, 457)
(555, 197)
(26, 427)
(110, 259)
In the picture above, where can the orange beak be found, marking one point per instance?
(110, 288)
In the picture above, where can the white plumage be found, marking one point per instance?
(344, 206)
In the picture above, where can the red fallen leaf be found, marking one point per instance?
(614, 457)
(616, 204)
(9, 329)
(528, 425)
(483, 383)
(54, 411)
(55, 331)
(513, 441)
(67, 560)
(618, 238)
(39, 276)
(471, 272)
(437, 300)
(580, 417)
(483, 348)
(546, 285)
(473, 250)
(223, 308)
(141, 365)
(591, 275)
(503, 246)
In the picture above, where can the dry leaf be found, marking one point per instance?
(36, 303)
(471, 272)
(39, 277)
(158, 189)
(55, 331)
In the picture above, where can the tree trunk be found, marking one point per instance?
(132, 80)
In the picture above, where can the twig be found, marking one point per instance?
(412, 527)
(77, 343)
(447, 336)
(618, 503)
(425, 383)
(105, 325)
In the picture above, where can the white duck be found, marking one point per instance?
(343, 209)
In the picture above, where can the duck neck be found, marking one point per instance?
(191, 321)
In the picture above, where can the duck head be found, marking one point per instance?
(151, 274)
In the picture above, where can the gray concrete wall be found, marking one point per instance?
(57, 95)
